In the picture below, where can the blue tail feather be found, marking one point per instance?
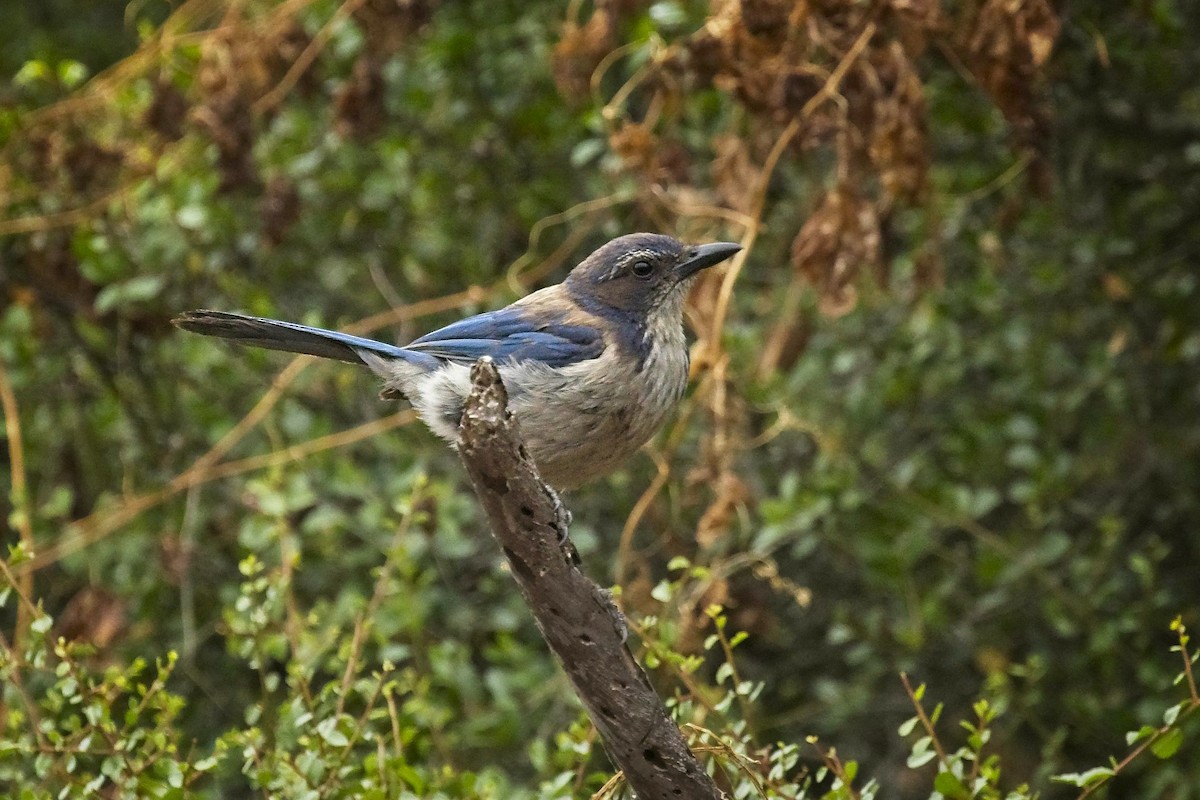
(292, 337)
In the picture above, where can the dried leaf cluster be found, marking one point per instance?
(1008, 44)
(237, 67)
(842, 81)
(359, 103)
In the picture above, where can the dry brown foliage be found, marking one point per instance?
(1007, 45)
(840, 237)
(847, 75)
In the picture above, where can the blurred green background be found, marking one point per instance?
(946, 424)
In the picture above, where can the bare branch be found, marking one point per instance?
(577, 618)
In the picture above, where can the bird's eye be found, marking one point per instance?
(642, 269)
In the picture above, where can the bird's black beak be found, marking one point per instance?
(704, 255)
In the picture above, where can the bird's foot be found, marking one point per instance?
(562, 524)
(616, 615)
(562, 516)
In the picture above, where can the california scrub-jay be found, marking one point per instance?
(592, 365)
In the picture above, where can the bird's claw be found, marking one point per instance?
(562, 517)
(617, 617)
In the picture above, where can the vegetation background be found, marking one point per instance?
(945, 418)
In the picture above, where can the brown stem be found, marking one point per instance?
(925, 721)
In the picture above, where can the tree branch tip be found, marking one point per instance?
(484, 373)
(486, 404)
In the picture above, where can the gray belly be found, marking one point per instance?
(579, 422)
(579, 427)
(572, 448)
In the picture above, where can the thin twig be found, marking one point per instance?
(17, 679)
(32, 223)
(1189, 708)
(378, 594)
(1184, 640)
(834, 765)
(828, 90)
(1137, 751)
(625, 543)
(98, 525)
(925, 722)
(522, 271)
(745, 766)
(272, 98)
(22, 511)
(187, 584)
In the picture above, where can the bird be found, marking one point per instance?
(593, 365)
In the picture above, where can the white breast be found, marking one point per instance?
(578, 422)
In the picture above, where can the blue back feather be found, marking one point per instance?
(510, 334)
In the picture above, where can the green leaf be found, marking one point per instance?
(31, 72)
(193, 217)
(134, 290)
(1167, 745)
(174, 775)
(1084, 779)
(327, 729)
(1144, 732)
(948, 784)
(678, 563)
(71, 73)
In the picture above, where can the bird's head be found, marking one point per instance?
(643, 273)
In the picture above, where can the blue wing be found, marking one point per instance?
(511, 334)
